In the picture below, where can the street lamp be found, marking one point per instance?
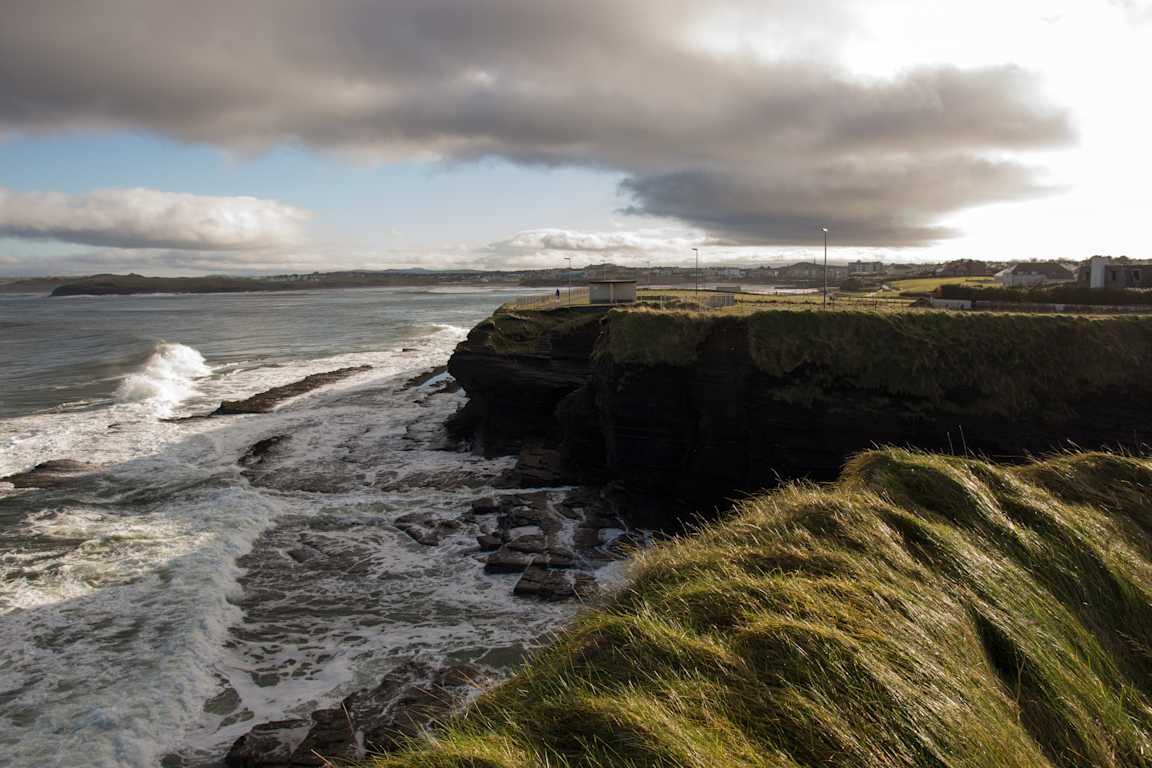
(825, 266)
(697, 250)
(569, 278)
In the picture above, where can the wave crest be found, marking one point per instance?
(166, 379)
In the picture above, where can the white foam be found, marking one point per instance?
(117, 625)
(166, 379)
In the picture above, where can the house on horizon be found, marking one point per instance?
(866, 267)
(1121, 272)
(965, 268)
(810, 270)
(1035, 273)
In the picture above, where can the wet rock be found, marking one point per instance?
(488, 542)
(486, 505)
(506, 560)
(443, 480)
(538, 465)
(303, 554)
(370, 721)
(49, 474)
(259, 451)
(561, 558)
(586, 538)
(423, 378)
(268, 745)
(267, 400)
(426, 529)
(530, 544)
(540, 583)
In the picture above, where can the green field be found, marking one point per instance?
(928, 284)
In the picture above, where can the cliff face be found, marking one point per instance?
(701, 408)
(516, 368)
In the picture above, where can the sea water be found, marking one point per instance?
(156, 608)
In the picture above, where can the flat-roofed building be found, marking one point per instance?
(611, 291)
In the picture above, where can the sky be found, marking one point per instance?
(269, 136)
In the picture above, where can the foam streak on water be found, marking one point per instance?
(161, 606)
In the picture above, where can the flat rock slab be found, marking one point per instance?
(269, 399)
(49, 474)
(370, 721)
(541, 583)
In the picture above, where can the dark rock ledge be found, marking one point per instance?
(49, 474)
(370, 721)
(267, 400)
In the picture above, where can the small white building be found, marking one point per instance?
(1032, 274)
(611, 291)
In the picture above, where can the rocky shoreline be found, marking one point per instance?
(548, 542)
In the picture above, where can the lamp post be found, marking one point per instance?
(569, 278)
(825, 266)
(697, 250)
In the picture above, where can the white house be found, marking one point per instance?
(1036, 273)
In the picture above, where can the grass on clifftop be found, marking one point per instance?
(1005, 364)
(923, 611)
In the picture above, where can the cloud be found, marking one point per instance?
(1138, 11)
(600, 242)
(147, 218)
(751, 146)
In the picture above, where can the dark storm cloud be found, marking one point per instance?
(753, 150)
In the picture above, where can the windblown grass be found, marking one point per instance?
(532, 331)
(923, 611)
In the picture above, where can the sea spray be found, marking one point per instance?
(166, 379)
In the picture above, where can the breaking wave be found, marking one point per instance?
(166, 379)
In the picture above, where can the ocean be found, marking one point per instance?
(210, 574)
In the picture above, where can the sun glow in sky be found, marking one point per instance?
(256, 137)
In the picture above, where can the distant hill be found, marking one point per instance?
(109, 285)
(115, 285)
(38, 285)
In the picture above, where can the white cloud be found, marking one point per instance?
(570, 240)
(148, 218)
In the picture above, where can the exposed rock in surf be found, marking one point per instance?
(539, 582)
(268, 744)
(442, 480)
(259, 452)
(539, 465)
(425, 377)
(488, 543)
(370, 721)
(269, 399)
(486, 505)
(49, 474)
(426, 529)
(506, 560)
(304, 553)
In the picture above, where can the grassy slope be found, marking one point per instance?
(928, 284)
(522, 331)
(924, 611)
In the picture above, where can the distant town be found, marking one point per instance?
(1096, 272)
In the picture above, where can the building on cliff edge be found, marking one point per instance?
(611, 291)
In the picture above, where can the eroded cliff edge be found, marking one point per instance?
(693, 409)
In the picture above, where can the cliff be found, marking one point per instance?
(697, 408)
(923, 611)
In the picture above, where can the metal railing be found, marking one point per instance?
(542, 300)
